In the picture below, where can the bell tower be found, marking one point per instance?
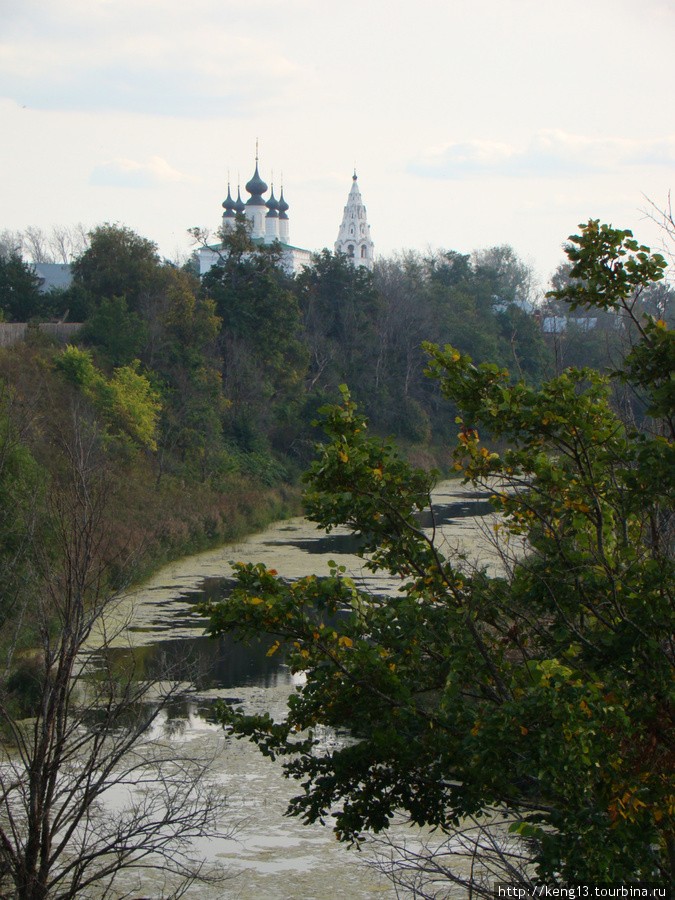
(354, 236)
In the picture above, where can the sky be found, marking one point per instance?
(471, 123)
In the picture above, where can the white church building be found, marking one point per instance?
(268, 221)
(354, 236)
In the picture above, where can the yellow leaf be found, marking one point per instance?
(345, 642)
(273, 649)
(254, 601)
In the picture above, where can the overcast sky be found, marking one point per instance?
(471, 122)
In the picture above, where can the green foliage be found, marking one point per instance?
(481, 304)
(20, 297)
(127, 402)
(191, 378)
(119, 263)
(57, 411)
(340, 304)
(599, 299)
(118, 335)
(651, 366)
(609, 268)
(190, 323)
(20, 488)
(77, 367)
(546, 691)
(264, 358)
(252, 295)
(130, 405)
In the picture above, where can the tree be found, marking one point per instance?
(482, 304)
(68, 242)
(339, 303)
(126, 401)
(118, 263)
(539, 702)
(398, 402)
(36, 242)
(510, 278)
(190, 369)
(264, 358)
(20, 297)
(11, 243)
(86, 794)
(119, 335)
(19, 486)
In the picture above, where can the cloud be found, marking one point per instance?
(550, 154)
(128, 173)
(169, 62)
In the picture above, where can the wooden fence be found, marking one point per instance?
(11, 332)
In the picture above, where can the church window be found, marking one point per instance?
(350, 250)
(364, 252)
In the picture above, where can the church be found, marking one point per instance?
(354, 236)
(269, 222)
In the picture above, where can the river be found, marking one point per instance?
(271, 857)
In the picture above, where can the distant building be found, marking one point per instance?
(354, 235)
(53, 275)
(268, 221)
(559, 324)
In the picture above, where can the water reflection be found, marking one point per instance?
(170, 632)
(209, 665)
(445, 513)
(330, 543)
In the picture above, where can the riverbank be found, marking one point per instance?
(163, 499)
(162, 523)
(158, 524)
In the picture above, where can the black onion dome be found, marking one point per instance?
(239, 205)
(256, 188)
(228, 204)
(282, 206)
(273, 207)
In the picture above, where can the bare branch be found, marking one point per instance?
(92, 784)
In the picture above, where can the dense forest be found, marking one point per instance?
(240, 361)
